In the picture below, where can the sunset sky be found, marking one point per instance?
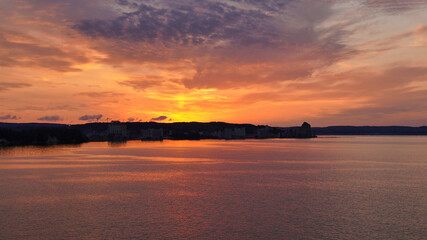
(276, 62)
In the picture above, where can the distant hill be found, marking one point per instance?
(39, 134)
(370, 130)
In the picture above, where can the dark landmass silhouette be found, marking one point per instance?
(18, 134)
(13, 134)
(188, 131)
(40, 135)
(370, 130)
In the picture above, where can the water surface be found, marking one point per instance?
(325, 188)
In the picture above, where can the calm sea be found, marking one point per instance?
(364, 187)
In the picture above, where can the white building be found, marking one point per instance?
(117, 129)
(152, 134)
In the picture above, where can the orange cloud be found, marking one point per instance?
(266, 62)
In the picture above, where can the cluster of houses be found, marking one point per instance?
(118, 131)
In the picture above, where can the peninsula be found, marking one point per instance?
(15, 134)
(20, 134)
